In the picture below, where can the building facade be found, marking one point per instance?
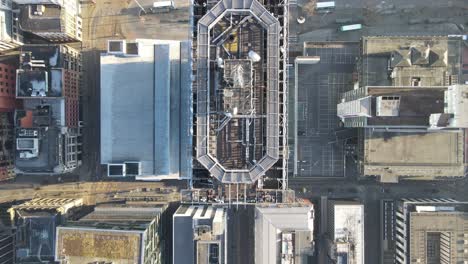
(7, 108)
(10, 35)
(7, 247)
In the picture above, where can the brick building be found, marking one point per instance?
(7, 87)
(47, 125)
(7, 107)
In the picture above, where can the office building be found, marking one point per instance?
(240, 111)
(284, 234)
(36, 221)
(200, 235)
(113, 233)
(431, 231)
(346, 232)
(57, 21)
(146, 110)
(11, 36)
(47, 125)
(408, 107)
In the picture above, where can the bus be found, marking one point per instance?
(323, 7)
(163, 6)
(350, 27)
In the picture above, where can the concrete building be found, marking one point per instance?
(407, 98)
(284, 234)
(346, 232)
(10, 35)
(200, 235)
(431, 231)
(113, 233)
(47, 125)
(239, 139)
(57, 21)
(146, 110)
(36, 221)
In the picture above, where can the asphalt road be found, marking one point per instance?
(390, 17)
(241, 247)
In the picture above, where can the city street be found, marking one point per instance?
(371, 192)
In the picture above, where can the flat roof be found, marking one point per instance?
(271, 221)
(428, 229)
(48, 116)
(348, 224)
(146, 109)
(416, 104)
(86, 245)
(50, 21)
(419, 154)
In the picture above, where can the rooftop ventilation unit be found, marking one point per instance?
(116, 170)
(117, 47)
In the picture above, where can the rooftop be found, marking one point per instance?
(423, 155)
(421, 60)
(436, 230)
(295, 227)
(41, 72)
(152, 109)
(86, 245)
(237, 140)
(40, 121)
(111, 233)
(347, 229)
(61, 205)
(33, 19)
(199, 231)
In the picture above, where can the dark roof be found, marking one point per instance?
(50, 21)
(416, 105)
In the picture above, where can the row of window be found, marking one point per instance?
(6, 70)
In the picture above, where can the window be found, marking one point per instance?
(416, 81)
